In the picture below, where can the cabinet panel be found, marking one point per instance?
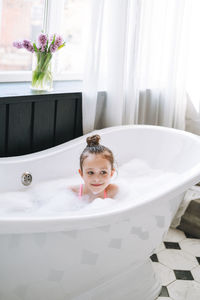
(65, 120)
(79, 128)
(43, 125)
(19, 129)
(2, 130)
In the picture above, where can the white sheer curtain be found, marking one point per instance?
(193, 78)
(136, 63)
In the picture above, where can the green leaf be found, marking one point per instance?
(35, 48)
(46, 48)
(54, 37)
(61, 46)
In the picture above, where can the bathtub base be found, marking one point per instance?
(135, 283)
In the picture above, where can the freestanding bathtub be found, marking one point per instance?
(102, 256)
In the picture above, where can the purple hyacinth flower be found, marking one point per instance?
(58, 41)
(53, 48)
(42, 49)
(17, 45)
(51, 38)
(27, 45)
(42, 39)
(31, 49)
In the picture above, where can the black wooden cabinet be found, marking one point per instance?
(31, 122)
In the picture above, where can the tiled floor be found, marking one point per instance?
(177, 263)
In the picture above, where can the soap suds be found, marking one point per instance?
(136, 180)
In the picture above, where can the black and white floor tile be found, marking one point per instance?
(177, 263)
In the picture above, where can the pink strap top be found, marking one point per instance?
(81, 191)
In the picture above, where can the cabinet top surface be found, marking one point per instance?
(18, 89)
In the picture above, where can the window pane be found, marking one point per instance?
(19, 20)
(74, 20)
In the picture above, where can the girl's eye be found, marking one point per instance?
(103, 172)
(90, 173)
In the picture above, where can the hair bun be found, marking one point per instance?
(93, 140)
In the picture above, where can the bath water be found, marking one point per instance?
(136, 181)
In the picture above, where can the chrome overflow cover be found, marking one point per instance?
(26, 178)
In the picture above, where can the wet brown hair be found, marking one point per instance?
(94, 147)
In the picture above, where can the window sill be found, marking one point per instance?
(24, 76)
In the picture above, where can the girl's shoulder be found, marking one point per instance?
(112, 190)
(74, 188)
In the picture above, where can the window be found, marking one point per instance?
(19, 19)
(24, 19)
(74, 16)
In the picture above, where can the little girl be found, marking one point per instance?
(96, 169)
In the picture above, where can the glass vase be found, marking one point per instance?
(42, 79)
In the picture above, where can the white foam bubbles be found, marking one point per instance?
(136, 181)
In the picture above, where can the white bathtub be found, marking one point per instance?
(103, 256)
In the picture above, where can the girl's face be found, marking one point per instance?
(96, 172)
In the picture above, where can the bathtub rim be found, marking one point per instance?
(77, 141)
